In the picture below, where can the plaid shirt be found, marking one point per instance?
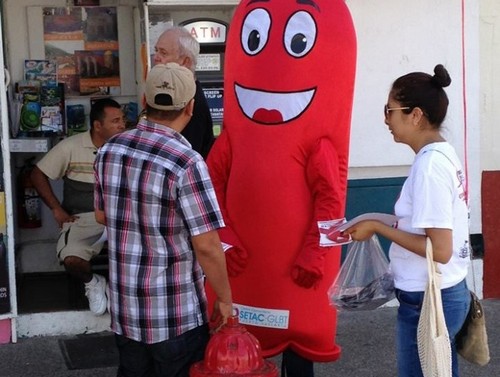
(156, 193)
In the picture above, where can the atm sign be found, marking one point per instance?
(207, 31)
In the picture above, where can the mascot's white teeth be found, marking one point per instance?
(271, 107)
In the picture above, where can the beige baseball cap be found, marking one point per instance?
(169, 87)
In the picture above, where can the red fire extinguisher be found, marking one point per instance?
(29, 202)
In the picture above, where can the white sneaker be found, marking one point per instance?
(96, 294)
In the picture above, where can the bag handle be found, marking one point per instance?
(435, 287)
(431, 265)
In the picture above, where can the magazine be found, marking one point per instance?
(44, 71)
(331, 231)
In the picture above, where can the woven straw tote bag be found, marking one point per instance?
(434, 347)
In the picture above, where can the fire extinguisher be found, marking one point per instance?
(29, 202)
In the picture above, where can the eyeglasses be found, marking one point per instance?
(388, 109)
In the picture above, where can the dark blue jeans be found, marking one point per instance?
(294, 365)
(456, 301)
(170, 358)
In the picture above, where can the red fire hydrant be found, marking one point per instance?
(233, 352)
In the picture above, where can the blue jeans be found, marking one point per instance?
(456, 302)
(170, 358)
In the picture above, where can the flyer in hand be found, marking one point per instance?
(331, 231)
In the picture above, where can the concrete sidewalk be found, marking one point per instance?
(366, 338)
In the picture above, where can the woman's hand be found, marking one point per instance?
(363, 230)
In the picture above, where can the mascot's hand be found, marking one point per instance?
(307, 271)
(236, 255)
(236, 261)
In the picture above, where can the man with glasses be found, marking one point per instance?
(177, 45)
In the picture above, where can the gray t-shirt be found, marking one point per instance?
(78, 196)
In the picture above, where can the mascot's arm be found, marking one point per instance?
(323, 175)
(219, 165)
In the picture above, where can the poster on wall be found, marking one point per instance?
(44, 71)
(98, 71)
(215, 99)
(84, 43)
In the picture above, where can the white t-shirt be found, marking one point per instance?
(433, 196)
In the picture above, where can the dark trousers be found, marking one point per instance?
(294, 365)
(170, 358)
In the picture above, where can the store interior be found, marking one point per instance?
(68, 56)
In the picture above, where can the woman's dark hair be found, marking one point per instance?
(98, 107)
(419, 89)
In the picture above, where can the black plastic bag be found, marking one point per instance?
(364, 281)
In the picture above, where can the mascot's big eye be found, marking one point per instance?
(300, 34)
(255, 31)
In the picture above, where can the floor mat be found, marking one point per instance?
(89, 351)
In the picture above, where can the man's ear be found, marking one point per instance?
(96, 124)
(190, 107)
(186, 62)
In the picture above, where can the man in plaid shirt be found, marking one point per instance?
(155, 196)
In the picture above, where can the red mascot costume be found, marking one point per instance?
(280, 166)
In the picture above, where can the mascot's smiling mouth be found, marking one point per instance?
(272, 108)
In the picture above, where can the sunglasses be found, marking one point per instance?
(388, 109)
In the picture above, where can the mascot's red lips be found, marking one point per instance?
(267, 116)
(272, 108)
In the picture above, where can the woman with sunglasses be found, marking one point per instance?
(432, 203)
